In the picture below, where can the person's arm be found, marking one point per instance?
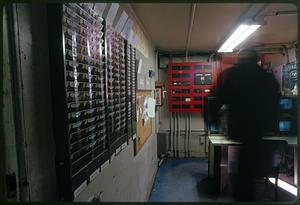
(219, 94)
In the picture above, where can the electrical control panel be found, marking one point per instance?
(189, 84)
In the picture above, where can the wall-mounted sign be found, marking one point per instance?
(159, 97)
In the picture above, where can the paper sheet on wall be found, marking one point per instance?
(139, 64)
(141, 84)
(144, 109)
(142, 101)
(148, 83)
(151, 107)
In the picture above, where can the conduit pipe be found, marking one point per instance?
(185, 134)
(170, 135)
(192, 16)
(174, 135)
(179, 134)
(188, 136)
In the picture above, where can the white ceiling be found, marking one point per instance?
(168, 24)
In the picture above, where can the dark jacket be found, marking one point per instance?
(252, 97)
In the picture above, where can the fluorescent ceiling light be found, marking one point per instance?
(285, 13)
(239, 35)
(291, 189)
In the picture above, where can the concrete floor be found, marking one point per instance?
(185, 180)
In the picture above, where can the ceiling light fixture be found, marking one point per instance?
(238, 36)
(285, 13)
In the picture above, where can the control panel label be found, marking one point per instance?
(112, 157)
(124, 145)
(118, 150)
(94, 174)
(104, 165)
(80, 188)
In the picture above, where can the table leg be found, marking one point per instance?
(214, 169)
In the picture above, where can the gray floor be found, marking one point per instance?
(185, 180)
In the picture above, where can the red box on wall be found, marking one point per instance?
(188, 84)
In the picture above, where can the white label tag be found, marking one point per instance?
(134, 136)
(90, 199)
(80, 188)
(118, 150)
(104, 165)
(94, 174)
(112, 157)
(124, 145)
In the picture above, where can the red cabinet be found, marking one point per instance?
(188, 84)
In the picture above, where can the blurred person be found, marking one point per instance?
(251, 97)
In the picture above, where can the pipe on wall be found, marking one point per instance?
(185, 134)
(179, 134)
(174, 132)
(190, 134)
(176, 153)
(170, 135)
(193, 11)
(182, 54)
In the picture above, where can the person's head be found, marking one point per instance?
(247, 56)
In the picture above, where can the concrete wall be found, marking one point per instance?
(11, 165)
(36, 98)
